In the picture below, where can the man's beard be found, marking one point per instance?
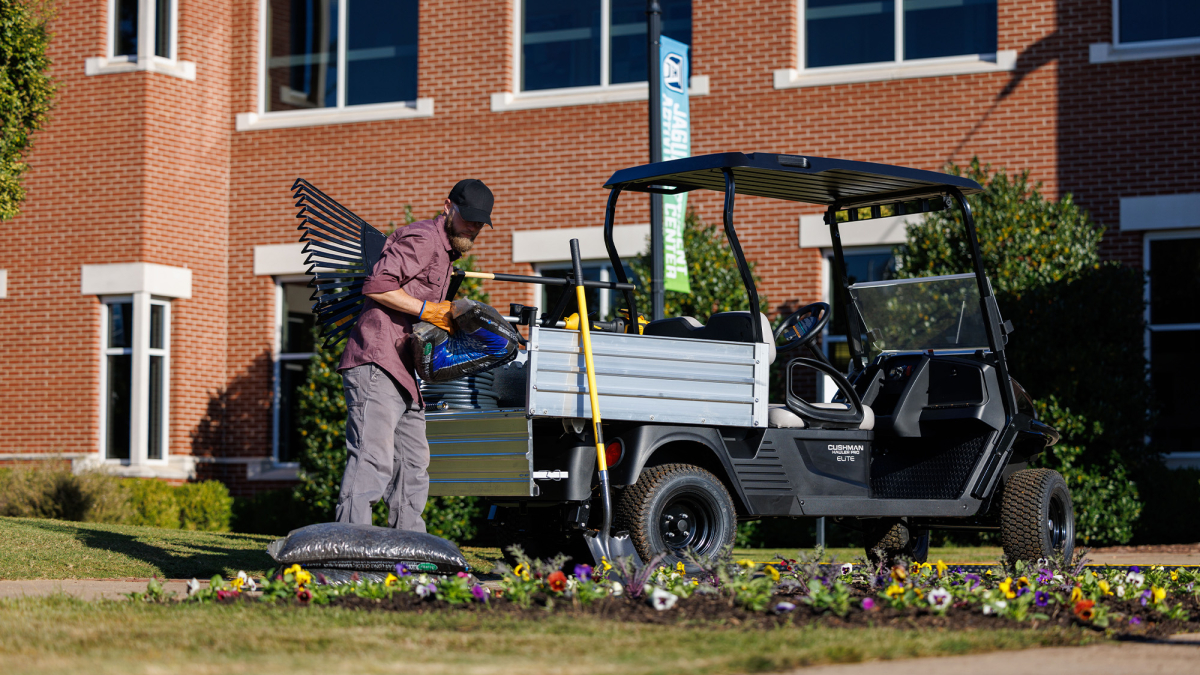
(459, 242)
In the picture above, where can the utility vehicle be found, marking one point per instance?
(928, 430)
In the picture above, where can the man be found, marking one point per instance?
(387, 454)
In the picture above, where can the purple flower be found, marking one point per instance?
(1134, 621)
(1045, 577)
(402, 570)
(1145, 598)
(479, 592)
(868, 604)
(784, 607)
(1135, 569)
(321, 579)
(583, 572)
(975, 580)
(1022, 591)
(1041, 598)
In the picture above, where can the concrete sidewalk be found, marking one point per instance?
(89, 589)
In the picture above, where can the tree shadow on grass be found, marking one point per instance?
(175, 553)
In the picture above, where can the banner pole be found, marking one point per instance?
(654, 80)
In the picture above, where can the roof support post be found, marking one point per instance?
(743, 268)
(654, 79)
(854, 327)
(610, 214)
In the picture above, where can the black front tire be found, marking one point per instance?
(1036, 516)
(892, 540)
(676, 507)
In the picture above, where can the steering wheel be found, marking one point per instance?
(803, 326)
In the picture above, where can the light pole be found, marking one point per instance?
(653, 33)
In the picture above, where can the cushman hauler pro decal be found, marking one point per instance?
(845, 453)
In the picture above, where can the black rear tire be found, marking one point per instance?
(1036, 516)
(676, 507)
(894, 540)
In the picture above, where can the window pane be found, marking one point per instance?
(126, 20)
(560, 44)
(302, 67)
(1143, 20)
(292, 376)
(627, 35)
(381, 61)
(935, 28)
(162, 28)
(859, 267)
(842, 32)
(554, 293)
(1174, 372)
(1174, 281)
(156, 326)
(120, 325)
(120, 371)
(155, 446)
(298, 320)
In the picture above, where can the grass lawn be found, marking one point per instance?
(62, 635)
(52, 549)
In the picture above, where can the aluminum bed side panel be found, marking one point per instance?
(479, 452)
(649, 378)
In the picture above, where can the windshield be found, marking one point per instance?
(921, 314)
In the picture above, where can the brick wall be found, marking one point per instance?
(148, 167)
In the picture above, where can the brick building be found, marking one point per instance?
(151, 311)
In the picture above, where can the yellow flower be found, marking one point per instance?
(1076, 594)
(390, 580)
(294, 569)
(522, 570)
(772, 572)
(1157, 594)
(925, 567)
(941, 568)
(989, 573)
(303, 577)
(1022, 582)
(1174, 576)
(1006, 588)
(237, 582)
(604, 563)
(745, 562)
(1104, 587)
(898, 573)
(695, 582)
(679, 567)
(894, 590)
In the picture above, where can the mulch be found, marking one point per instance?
(719, 612)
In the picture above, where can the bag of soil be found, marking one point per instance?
(482, 340)
(339, 550)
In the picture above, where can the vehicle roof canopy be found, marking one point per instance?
(798, 178)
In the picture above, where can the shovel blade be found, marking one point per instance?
(618, 546)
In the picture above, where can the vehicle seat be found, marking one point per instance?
(781, 417)
(724, 326)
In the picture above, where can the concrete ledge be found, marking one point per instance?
(814, 233)
(139, 277)
(1106, 52)
(99, 65)
(698, 85)
(1160, 212)
(551, 245)
(795, 78)
(288, 119)
(279, 259)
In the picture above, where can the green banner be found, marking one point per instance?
(676, 144)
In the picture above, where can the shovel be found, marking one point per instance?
(601, 543)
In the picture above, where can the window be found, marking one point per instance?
(602, 304)
(296, 323)
(1173, 331)
(126, 27)
(850, 32)
(338, 53)
(591, 42)
(135, 371)
(1142, 21)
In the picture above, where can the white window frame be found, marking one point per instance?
(1116, 51)
(605, 92)
(261, 119)
(139, 403)
(145, 59)
(278, 357)
(1003, 60)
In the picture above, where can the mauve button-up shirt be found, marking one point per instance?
(416, 258)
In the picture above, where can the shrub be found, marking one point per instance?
(269, 512)
(151, 503)
(204, 506)
(50, 492)
(26, 92)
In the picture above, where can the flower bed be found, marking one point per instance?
(1154, 601)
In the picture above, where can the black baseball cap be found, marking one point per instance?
(474, 200)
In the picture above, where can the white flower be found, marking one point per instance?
(784, 607)
(192, 587)
(423, 579)
(847, 568)
(1001, 604)
(988, 609)
(661, 600)
(1135, 578)
(939, 598)
(1121, 591)
(247, 581)
(617, 589)
(424, 590)
(1042, 562)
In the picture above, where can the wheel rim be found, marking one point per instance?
(687, 523)
(1057, 525)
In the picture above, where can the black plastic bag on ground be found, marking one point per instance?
(339, 550)
(482, 340)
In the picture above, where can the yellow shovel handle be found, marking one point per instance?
(586, 338)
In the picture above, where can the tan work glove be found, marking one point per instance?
(438, 314)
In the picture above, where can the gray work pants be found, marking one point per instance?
(387, 455)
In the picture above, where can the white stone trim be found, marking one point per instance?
(1107, 52)
(139, 277)
(288, 119)
(1161, 212)
(102, 65)
(552, 245)
(698, 85)
(1181, 460)
(3, 283)
(1002, 61)
(279, 259)
(814, 233)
